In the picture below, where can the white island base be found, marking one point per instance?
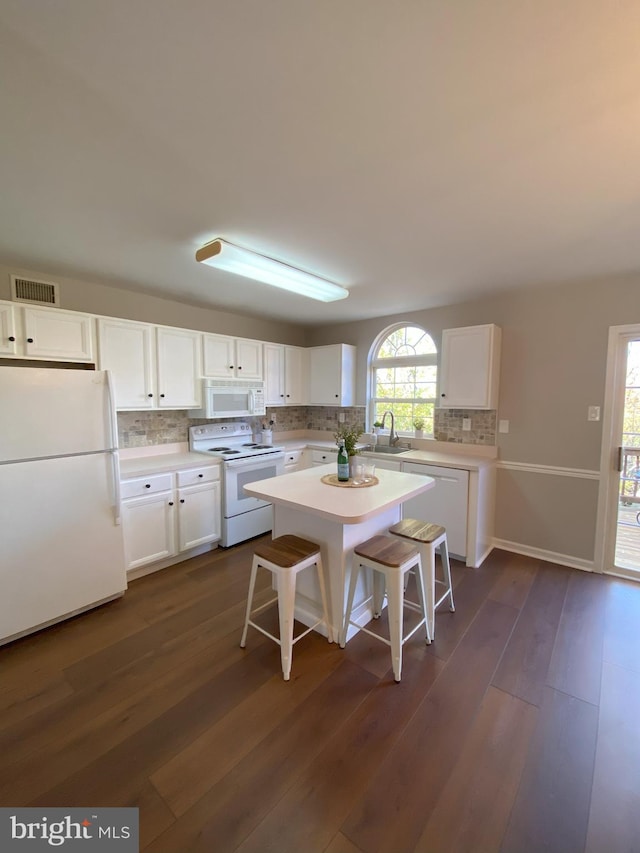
(337, 519)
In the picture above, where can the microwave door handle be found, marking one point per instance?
(252, 402)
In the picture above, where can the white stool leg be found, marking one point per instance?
(355, 571)
(446, 568)
(379, 588)
(428, 554)
(323, 596)
(286, 604)
(252, 585)
(395, 597)
(422, 596)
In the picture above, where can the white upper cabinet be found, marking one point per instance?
(470, 367)
(285, 375)
(153, 367)
(332, 375)
(45, 333)
(179, 365)
(127, 350)
(232, 358)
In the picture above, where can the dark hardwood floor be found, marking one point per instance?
(517, 730)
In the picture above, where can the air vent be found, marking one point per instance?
(34, 292)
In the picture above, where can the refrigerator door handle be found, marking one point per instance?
(115, 456)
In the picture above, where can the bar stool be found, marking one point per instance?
(390, 561)
(285, 557)
(428, 537)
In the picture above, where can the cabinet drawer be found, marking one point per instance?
(322, 457)
(139, 486)
(195, 476)
(293, 457)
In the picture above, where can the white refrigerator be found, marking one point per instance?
(61, 545)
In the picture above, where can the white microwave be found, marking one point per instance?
(230, 399)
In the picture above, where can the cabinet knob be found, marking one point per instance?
(181, 500)
(200, 475)
(147, 485)
(230, 367)
(282, 395)
(149, 395)
(170, 503)
(29, 340)
(443, 395)
(162, 395)
(11, 338)
(239, 367)
(288, 395)
(337, 395)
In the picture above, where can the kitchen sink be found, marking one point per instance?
(386, 449)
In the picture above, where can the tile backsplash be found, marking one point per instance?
(143, 429)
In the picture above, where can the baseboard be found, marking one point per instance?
(542, 554)
(150, 568)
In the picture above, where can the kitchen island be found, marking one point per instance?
(338, 519)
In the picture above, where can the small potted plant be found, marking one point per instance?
(348, 435)
(418, 426)
(377, 426)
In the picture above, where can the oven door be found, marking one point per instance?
(240, 473)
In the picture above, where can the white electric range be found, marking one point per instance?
(243, 461)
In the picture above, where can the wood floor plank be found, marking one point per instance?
(552, 806)
(576, 662)
(346, 763)
(524, 667)
(122, 771)
(614, 820)
(21, 701)
(192, 772)
(622, 638)
(231, 810)
(473, 810)
(513, 586)
(341, 844)
(395, 806)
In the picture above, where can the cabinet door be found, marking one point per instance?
(8, 336)
(332, 375)
(446, 503)
(199, 519)
(126, 349)
(248, 359)
(219, 356)
(295, 376)
(149, 529)
(274, 375)
(178, 359)
(469, 368)
(58, 335)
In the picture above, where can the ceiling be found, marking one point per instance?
(418, 153)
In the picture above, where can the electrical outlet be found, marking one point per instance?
(341, 417)
(466, 424)
(593, 413)
(272, 418)
(503, 426)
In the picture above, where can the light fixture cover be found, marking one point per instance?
(219, 253)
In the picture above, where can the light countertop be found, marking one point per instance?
(139, 461)
(304, 491)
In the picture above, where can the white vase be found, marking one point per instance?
(419, 433)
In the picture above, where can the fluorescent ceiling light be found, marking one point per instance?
(226, 256)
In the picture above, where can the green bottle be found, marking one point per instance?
(343, 465)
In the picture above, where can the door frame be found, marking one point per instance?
(607, 515)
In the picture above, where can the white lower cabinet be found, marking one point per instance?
(323, 457)
(164, 515)
(446, 503)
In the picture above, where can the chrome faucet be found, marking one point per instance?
(393, 438)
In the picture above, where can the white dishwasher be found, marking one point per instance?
(446, 503)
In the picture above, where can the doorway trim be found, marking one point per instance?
(604, 555)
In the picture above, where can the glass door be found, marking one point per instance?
(627, 532)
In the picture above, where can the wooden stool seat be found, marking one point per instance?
(385, 550)
(428, 537)
(390, 560)
(286, 551)
(285, 557)
(417, 531)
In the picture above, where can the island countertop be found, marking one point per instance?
(304, 490)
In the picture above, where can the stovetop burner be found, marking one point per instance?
(219, 449)
(230, 452)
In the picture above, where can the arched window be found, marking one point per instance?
(402, 378)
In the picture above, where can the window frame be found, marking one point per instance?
(428, 360)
